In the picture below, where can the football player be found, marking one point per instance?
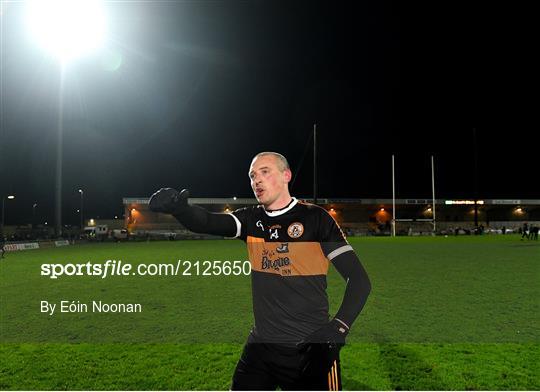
(294, 343)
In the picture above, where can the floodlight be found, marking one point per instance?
(67, 28)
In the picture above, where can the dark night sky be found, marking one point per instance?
(203, 86)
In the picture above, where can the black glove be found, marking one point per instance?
(320, 349)
(315, 363)
(333, 334)
(169, 201)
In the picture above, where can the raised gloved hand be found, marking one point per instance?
(169, 201)
(333, 334)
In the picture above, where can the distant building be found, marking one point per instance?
(365, 215)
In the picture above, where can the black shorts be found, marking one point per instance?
(266, 366)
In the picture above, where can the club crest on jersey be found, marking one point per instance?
(295, 230)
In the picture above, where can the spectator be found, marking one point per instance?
(525, 231)
(534, 233)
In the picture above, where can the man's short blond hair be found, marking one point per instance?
(281, 160)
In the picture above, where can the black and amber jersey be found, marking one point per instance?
(289, 251)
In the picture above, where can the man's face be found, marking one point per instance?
(267, 180)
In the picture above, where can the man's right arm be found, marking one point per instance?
(194, 218)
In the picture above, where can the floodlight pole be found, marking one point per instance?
(475, 179)
(433, 191)
(3, 209)
(315, 163)
(58, 188)
(34, 215)
(393, 200)
(82, 208)
(59, 157)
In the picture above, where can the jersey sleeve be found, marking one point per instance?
(241, 216)
(332, 239)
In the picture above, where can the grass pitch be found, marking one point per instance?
(445, 313)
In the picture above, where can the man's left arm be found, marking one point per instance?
(356, 293)
(338, 251)
(357, 289)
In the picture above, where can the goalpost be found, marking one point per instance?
(431, 220)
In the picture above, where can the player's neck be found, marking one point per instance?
(280, 203)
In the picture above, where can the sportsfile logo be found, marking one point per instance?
(118, 268)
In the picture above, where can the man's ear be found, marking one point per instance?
(288, 175)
